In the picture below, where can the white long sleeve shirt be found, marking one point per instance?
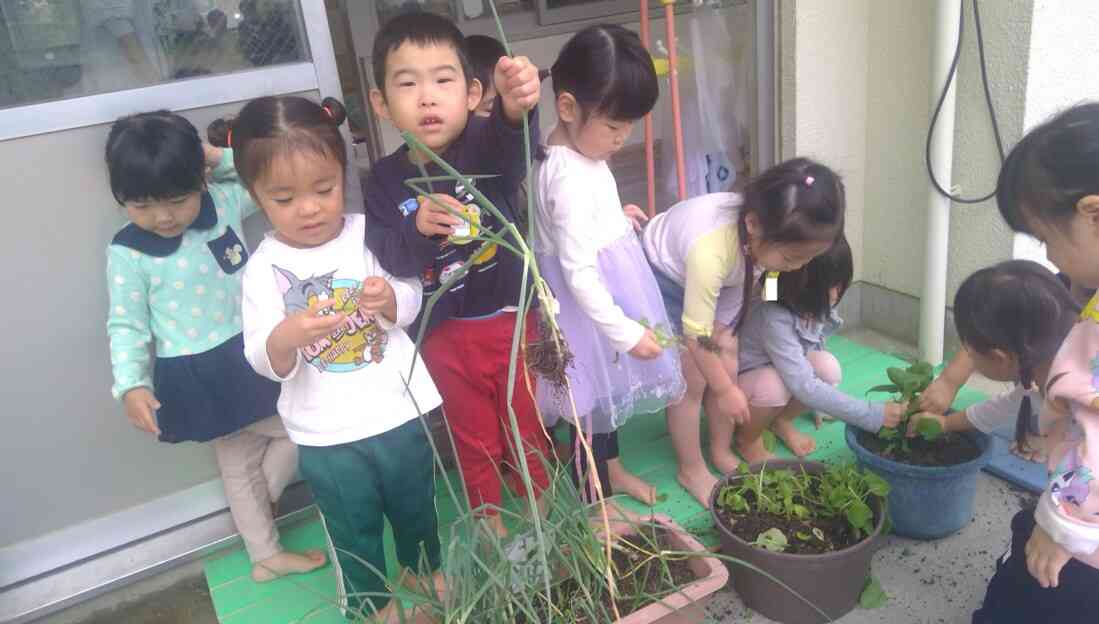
(579, 214)
(349, 385)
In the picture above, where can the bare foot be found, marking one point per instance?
(495, 523)
(622, 521)
(699, 483)
(725, 460)
(755, 452)
(285, 563)
(625, 482)
(799, 443)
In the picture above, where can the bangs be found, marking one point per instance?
(263, 154)
(633, 90)
(152, 158)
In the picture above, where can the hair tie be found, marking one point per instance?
(328, 112)
(809, 180)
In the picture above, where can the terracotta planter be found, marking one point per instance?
(686, 605)
(831, 581)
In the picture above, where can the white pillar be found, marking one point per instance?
(933, 298)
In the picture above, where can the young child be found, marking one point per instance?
(173, 275)
(1011, 319)
(707, 254)
(326, 321)
(783, 365)
(1049, 188)
(427, 89)
(603, 81)
(484, 53)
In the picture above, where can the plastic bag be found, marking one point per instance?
(714, 93)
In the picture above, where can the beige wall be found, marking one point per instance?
(1063, 70)
(831, 64)
(978, 235)
(862, 103)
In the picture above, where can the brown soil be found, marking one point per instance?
(747, 526)
(948, 449)
(641, 579)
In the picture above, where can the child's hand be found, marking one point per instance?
(1033, 450)
(377, 297)
(636, 215)
(212, 157)
(1045, 558)
(518, 85)
(306, 327)
(914, 422)
(734, 405)
(433, 219)
(894, 412)
(648, 347)
(939, 396)
(141, 406)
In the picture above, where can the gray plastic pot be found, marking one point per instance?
(832, 582)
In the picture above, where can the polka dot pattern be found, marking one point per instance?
(200, 311)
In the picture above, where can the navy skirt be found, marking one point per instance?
(211, 394)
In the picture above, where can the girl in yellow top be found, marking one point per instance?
(708, 254)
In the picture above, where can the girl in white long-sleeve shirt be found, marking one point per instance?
(592, 260)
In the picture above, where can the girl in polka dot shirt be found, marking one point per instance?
(174, 278)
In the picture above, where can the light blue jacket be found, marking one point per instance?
(773, 336)
(181, 295)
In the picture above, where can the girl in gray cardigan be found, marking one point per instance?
(784, 367)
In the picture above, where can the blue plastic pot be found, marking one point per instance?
(926, 502)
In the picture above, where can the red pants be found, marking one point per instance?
(468, 359)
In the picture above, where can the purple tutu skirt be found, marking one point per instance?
(609, 386)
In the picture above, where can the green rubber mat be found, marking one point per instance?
(646, 451)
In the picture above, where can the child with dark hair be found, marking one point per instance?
(425, 87)
(603, 81)
(323, 318)
(784, 366)
(708, 253)
(1049, 188)
(484, 53)
(174, 279)
(1011, 319)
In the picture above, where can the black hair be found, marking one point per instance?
(484, 52)
(608, 71)
(268, 127)
(807, 291)
(1019, 307)
(796, 201)
(422, 29)
(155, 155)
(1051, 169)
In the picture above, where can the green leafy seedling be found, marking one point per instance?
(908, 383)
(929, 429)
(772, 539)
(873, 596)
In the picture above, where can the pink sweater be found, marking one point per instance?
(1069, 508)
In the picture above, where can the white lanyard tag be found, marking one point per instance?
(770, 286)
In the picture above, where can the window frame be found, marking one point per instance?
(319, 73)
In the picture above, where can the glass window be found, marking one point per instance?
(473, 9)
(55, 49)
(388, 9)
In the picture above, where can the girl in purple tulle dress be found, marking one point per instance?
(611, 312)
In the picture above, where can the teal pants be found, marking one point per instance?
(358, 484)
